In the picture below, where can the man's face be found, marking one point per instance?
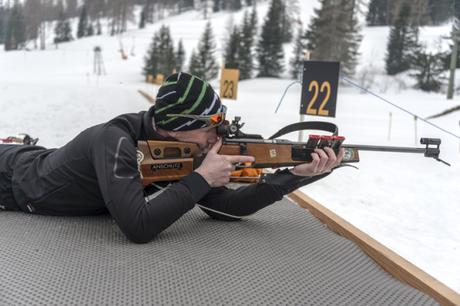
(205, 138)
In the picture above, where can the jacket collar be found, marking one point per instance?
(149, 130)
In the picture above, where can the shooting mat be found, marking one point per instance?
(280, 256)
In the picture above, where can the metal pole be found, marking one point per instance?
(306, 57)
(389, 126)
(415, 129)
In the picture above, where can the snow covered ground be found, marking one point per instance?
(405, 201)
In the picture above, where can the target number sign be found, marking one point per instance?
(229, 83)
(319, 88)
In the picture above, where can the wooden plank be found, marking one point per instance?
(391, 262)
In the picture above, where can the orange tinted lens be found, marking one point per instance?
(217, 118)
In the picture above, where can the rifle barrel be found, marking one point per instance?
(386, 149)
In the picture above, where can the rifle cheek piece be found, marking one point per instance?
(288, 181)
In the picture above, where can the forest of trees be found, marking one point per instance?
(253, 47)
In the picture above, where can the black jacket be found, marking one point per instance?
(98, 171)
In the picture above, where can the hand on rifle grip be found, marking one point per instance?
(216, 169)
(324, 160)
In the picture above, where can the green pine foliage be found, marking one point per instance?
(246, 48)
(231, 49)
(161, 58)
(63, 29)
(203, 62)
(180, 56)
(428, 70)
(15, 33)
(195, 65)
(441, 10)
(286, 23)
(334, 34)
(403, 42)
(90, 29)
(379, 13)
(270, 52)
(142, 19)
(235, 5)
(82, 23)
(2, 24)
(217, 5)
(296, 62)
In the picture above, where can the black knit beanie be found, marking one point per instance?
(183, 93)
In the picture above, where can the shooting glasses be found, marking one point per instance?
(210, 120)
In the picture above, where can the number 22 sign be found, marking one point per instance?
(319, 88)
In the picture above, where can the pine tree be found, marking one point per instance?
(63, 30)
(232, 49)
(379, 13)
(286, 22)
(296, 62)
(441, 10)
(245, 50)
(203, 63)
(217, 6)
(270, 52)
(82, 23)
(234, 5)
(334, 34)
(98, 27)
(15, 34)
(180, 56)
(428, 70)
(142, 19)
(2, 23)
(90, 30)
(195, 66)
(161, 57)
(403, 41)
(419, 12)
(152, 58)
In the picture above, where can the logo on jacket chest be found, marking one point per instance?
(140, 158)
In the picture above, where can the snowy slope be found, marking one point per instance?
(407, 202)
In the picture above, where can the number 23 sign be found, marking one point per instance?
(319, 88)
(229, 83)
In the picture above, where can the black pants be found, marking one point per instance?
(7, 153)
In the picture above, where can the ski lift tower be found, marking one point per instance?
(98, 67)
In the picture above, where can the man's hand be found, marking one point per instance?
(324, 160)
(216, 169)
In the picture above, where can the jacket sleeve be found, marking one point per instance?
(247, 200)
(115, 162)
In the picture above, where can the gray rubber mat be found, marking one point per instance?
(280, 256)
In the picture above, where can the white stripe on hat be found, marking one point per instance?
(165, 95)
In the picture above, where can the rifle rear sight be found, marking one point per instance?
(233, 130)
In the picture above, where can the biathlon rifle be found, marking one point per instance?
(172, 160)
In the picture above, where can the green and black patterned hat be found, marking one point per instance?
(188, 97)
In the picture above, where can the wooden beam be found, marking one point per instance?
(148, 97)
(390, 261)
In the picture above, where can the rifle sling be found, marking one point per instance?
(307, 125)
